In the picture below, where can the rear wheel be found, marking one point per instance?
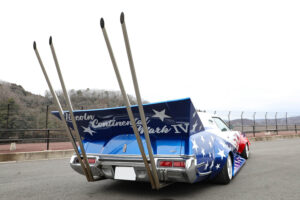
(225, 176)
(246, 153)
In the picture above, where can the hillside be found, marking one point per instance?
(28, 111)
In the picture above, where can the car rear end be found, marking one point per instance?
(170, 168)
(113, 151)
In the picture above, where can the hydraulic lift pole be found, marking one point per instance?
(139, 100)
(125, 98)
(67, 98)
(61, 112)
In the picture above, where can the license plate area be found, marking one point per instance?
(125, 173)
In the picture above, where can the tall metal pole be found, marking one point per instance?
(254, 123)
(276, 123)
(242, 120)
(127, 103)
(229, 119)
(286, 121)
(139, 100)
(61, 112)
(266, 121)
(70, 108)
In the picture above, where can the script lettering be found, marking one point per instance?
(84, 117)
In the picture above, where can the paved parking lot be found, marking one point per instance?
(272, 172)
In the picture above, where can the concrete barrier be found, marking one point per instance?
(36, 155)
(273, 137)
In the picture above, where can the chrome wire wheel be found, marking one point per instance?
(229, 167)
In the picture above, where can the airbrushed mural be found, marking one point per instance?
(166, 119)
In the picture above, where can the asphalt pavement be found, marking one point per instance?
(272, 172)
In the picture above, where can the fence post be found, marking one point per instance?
(266, 121)
(254, 123)
(229, 119)
(242, 121)
(296, 128)
(7, 118)
(286, 121)
(276, 123)
(47, 112)
(48, 132)
(48, 140)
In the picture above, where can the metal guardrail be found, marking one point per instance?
(48, 136)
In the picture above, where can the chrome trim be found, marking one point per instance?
(124, 148)
(204, 174)
(200, 164)
(104, 167)
(128, 156)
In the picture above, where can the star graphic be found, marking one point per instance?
(203, 152)
(221, 153)
(88, 130)
(194, 127)
(206, 166)
(194, 114)
(200, 127)
(202, 138)
(195, 146)
(161, 115)
(210, 144)
(212, 164)
(217, 166)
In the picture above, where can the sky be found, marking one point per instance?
(225, 55)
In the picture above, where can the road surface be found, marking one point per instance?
(272, 172)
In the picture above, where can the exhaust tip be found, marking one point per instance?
(102, 23)
(122, 18)
(34, 45)
(50, 40)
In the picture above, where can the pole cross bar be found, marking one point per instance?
(61, 113)
(125, 98)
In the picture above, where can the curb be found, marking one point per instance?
(273, 137)
(36, 155)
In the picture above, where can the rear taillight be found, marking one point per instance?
(179, 164)
(91, 160)
(165, 163)
(169, 163)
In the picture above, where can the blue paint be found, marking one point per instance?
(174, 127)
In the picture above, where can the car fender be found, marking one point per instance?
(222, 150)
(243, 141)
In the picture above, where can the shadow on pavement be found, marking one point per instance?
(143, 190)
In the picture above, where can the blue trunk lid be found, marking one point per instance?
(107, 131)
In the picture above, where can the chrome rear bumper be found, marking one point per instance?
(104, 167)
